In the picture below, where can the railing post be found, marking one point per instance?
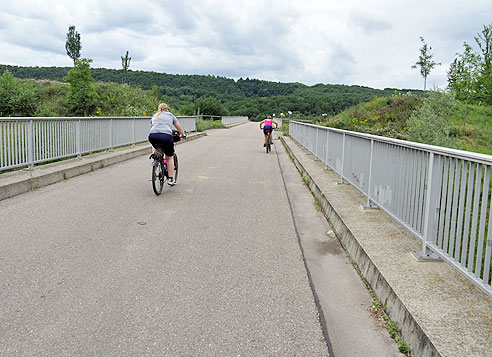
(426, 253)
(133, 129)
(369, 204)
(316, 146)
(342, 180)
(78, 139)
(30, 144)
(327, 167)
(111, 134)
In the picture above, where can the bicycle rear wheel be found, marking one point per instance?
(175, 167)
(268, 148)
(158, 177)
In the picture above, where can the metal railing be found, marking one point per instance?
(233, 120)
(440, 195)
(187, 123)
(29, 141)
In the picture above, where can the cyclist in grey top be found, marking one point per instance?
(161, 135)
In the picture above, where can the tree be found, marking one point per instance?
(484, 42)
(82, 95)
(125, 62)
(210, 106)
(463, 77)
(73, 46)
(425, 62)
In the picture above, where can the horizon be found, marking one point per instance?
(234, 79)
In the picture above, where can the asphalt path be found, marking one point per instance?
(99, 265)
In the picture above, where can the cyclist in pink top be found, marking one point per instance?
(267, 126)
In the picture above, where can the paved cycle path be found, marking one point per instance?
(99, 265)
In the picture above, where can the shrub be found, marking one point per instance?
(385, 116)
(202, 125)
(17, 98)
(428, 124)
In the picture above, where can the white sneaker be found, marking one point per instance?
(171, 181)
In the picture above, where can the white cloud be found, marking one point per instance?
(315, 41)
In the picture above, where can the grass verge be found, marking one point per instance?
(202, 125)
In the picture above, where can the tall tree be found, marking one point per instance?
(72, 45)
(425, 62)
(125, 62)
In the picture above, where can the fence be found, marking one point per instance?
(440, 195)
(29, 141)
(233, 120)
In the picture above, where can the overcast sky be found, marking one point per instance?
(363, 42)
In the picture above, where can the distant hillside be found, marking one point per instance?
(251, 97)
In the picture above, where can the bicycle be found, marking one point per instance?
(159, 168)
(269, 141)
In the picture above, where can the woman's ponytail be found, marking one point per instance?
(161, 107)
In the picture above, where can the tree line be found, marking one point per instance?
(187, 94)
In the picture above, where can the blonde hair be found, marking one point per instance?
(161, 108)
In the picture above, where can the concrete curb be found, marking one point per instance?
(411, 331)
(21, 181)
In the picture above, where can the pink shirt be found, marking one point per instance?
(268, 122)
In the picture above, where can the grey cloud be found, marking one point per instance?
(368, 24)
(339, 66)
(108, 16)
(246, 32)
(35, 34)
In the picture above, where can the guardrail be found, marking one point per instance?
(229, 120)
(440, 195)
(28, 141)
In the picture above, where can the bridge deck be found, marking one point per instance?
(98, 264)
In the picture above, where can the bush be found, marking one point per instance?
(202, 125)
(17, 98)
(45, 110)
(124, 100)
(385, 116)
(428, 124)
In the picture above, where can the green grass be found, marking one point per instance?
(474, 133)
(202, 125)
(284, 128)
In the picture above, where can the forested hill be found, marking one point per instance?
(244, 96)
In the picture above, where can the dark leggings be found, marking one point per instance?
(162, 141)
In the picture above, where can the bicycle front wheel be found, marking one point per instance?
(175, 167)
(158, 177)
